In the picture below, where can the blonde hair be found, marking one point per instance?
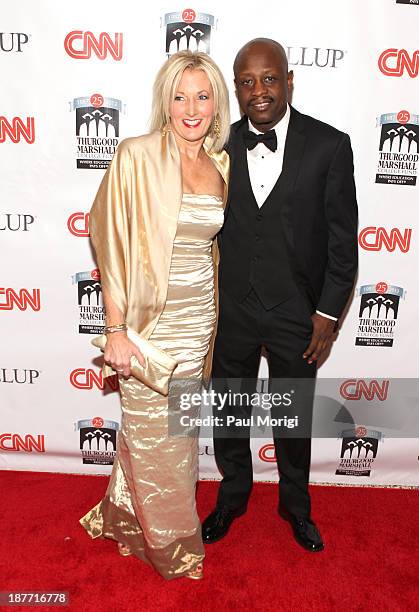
(167, 82)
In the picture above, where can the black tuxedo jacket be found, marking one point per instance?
(318, 209)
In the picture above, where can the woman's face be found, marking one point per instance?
(192, 107)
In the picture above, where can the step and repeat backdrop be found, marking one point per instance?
(76, 79)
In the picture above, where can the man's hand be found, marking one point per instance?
(321, 339)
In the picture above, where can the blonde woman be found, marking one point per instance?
(153, 224)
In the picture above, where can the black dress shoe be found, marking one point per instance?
(217, 524)
(305, 531)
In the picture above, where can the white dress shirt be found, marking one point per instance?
(265, 167)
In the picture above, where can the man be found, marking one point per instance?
(288, 259)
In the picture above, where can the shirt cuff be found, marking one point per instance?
(326, 315)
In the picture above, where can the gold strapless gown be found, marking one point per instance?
(149, 504)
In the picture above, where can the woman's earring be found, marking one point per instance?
(166, 129)
(216, 128)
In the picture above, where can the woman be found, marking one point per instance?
(152, 225)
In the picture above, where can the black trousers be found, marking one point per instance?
(284, 332)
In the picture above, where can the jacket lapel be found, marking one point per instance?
(293, 154)
(237, 152)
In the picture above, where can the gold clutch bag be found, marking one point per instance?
(159, 366)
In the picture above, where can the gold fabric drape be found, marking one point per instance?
(133, 225)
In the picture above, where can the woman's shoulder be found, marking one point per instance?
(135, 145)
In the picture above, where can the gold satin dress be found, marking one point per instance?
(150, 504)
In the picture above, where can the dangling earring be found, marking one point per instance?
(166, 128)
(216, 128)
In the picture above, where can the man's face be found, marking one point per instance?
(263, 85)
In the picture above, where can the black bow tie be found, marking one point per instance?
(269, 139)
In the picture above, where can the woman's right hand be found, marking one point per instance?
(118, 352)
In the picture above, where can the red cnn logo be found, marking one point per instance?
(78, 224)
(393, 62)
(83, 378)
(354, 389)
(267, 453)
(22, 300)
(375, 238)
(17, 128)
(28, 443)
(90, 43)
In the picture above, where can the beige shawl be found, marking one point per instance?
(133, 225)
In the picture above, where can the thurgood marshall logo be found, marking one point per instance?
(97, 440)
(378, 314)
(358, 451)
(86, 378)
(21, 299)
(398, 155)
(314, 56)
(80, 45)
(397, 62)
(90, 303)
(78, 224)
(188, 30)
(15, 222)
(27, 443)
(17, 128)
(97, 130)
(13, 41)
(374, 238)
(18, 376)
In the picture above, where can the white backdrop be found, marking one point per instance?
(65, 91)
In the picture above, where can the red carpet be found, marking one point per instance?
(370, 560)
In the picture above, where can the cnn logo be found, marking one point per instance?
(17, 129)
(21, 300)
(78, 224)
(374, 238)
(267, 453)
(355, 389)
(394, 62)
(86, 378)
(27, 444)
(81, 45)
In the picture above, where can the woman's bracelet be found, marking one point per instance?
(110, 329)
